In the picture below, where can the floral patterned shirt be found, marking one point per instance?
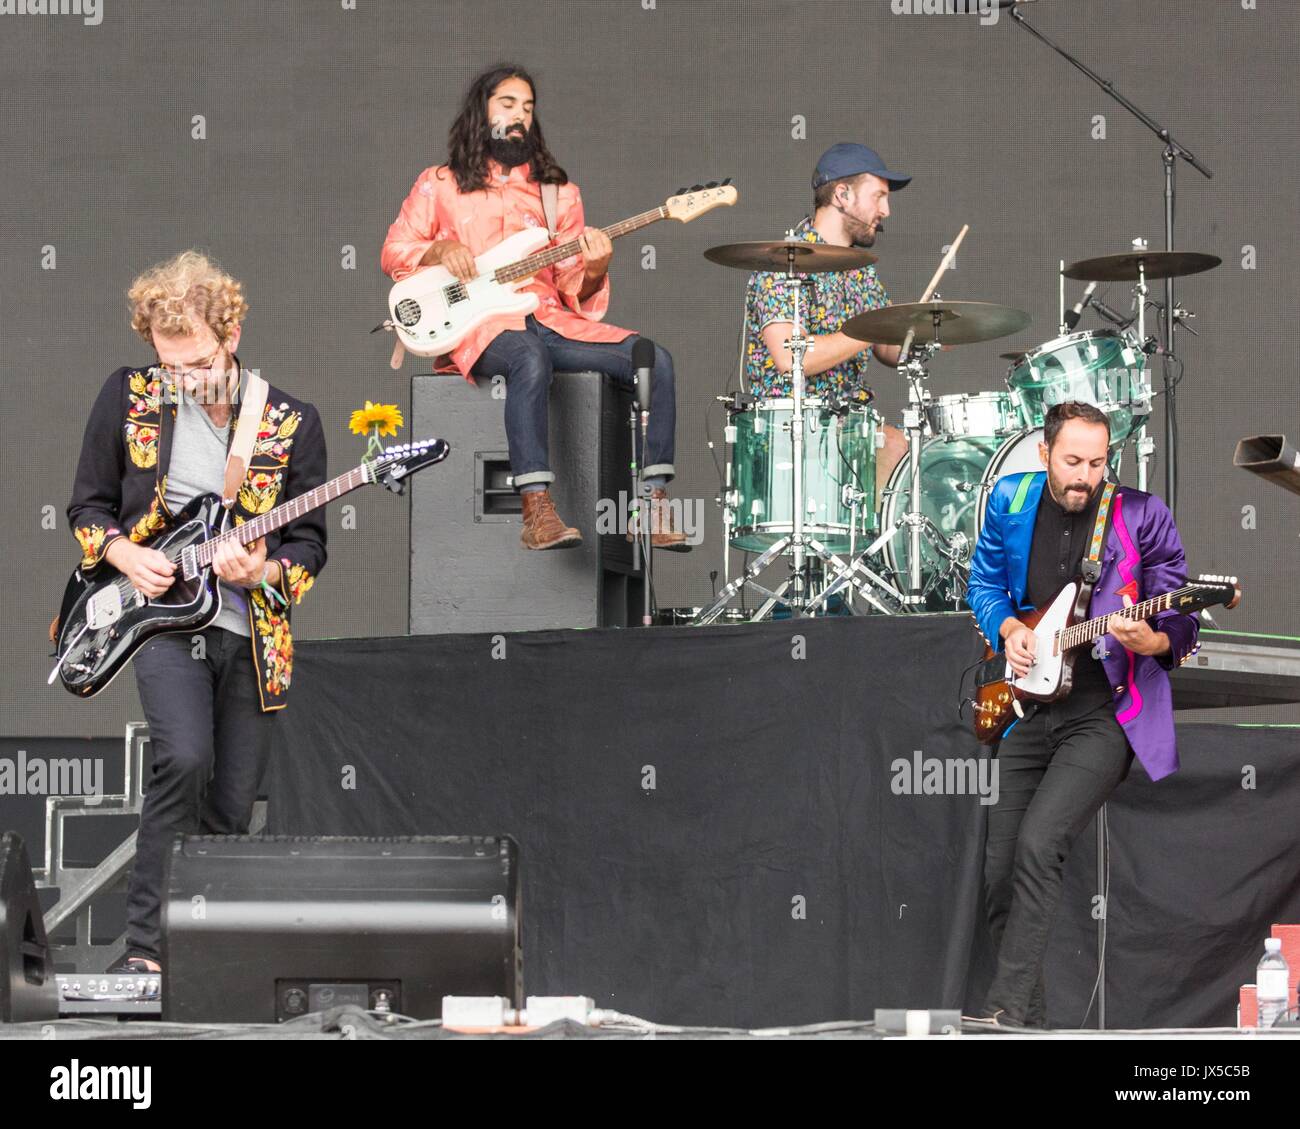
(839, 296)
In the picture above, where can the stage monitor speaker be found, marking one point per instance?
(28, 991)
(261, 930)
(468, 571)
(1271, 457)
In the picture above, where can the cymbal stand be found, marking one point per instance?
(1144, 444)
(797, 541)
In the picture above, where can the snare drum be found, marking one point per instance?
(1099, 367)
(839, 466)
(978, 413)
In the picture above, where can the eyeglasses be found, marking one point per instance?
(202, 368)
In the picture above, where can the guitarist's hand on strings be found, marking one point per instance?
(148, 570)
(456, 257)
(1021, 646)
(242, 565)
(597, 250)
(1136, 635)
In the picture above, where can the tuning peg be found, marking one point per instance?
(680, 192)
(726, 181)
(712, 184)
(1232, 580)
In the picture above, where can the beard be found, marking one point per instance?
(1072, 496)
(516, 148)
(861, 234)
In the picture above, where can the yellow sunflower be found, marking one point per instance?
(386, 417)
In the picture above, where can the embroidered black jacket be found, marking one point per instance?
(121, 485)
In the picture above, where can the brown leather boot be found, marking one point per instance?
(663, 534)
(543, 528)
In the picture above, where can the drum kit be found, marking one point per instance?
(800, 483)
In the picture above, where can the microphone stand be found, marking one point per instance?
(1172, 151)
(642, 503)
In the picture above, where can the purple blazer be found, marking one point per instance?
(1142, 557)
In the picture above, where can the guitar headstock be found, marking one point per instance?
(700, 198)
(1207, 591)
(402, 460)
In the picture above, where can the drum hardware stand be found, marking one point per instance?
(797, 541)
(914, 421)
(1172, 151)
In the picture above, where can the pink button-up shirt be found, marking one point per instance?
(436, 209)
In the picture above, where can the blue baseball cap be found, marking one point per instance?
(850, 159)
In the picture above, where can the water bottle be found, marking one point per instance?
(1271, 983)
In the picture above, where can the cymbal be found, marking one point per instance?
(1156, 264)
(809, 258)
(960, 323)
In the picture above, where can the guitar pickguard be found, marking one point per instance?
(1043, 682)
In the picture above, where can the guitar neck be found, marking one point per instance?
(551, 255)
(284, 513)
(1090, 630)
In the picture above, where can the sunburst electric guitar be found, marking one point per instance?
(105, 619)
(433, 311)
(1060, 627)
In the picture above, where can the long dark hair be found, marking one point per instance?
(467, 140)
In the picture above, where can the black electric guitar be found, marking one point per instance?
(1060, 626)
(104, 620)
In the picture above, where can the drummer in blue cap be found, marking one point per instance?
(851, 190)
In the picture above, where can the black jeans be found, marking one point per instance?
(1056, 769)
(210, 743)
(529, 359)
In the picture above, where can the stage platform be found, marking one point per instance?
(732, 827)
(351, 1023)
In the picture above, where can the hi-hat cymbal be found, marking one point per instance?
(809, 258)
(960, 323)
(1155, 264)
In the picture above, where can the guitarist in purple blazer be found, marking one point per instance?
(1062, 761)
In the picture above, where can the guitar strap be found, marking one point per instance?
(252, 404)
(551, 207)
(1092, 562)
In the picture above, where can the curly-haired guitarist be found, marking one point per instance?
(158, 437)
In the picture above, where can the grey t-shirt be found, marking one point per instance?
(198, 466)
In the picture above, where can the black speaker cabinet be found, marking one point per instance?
(260, 930)
(27, 988)
(468, 570)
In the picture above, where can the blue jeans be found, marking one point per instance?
(529, 359)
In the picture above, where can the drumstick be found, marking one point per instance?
(946, 263)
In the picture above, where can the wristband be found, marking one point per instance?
(271, 592)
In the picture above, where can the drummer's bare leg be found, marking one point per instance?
(888, 457)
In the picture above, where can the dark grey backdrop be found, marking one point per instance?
(320, 114)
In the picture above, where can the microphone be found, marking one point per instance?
(643, 363)
(1110, 315)
(1072, 318)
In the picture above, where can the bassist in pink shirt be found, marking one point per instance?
(490, 189)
